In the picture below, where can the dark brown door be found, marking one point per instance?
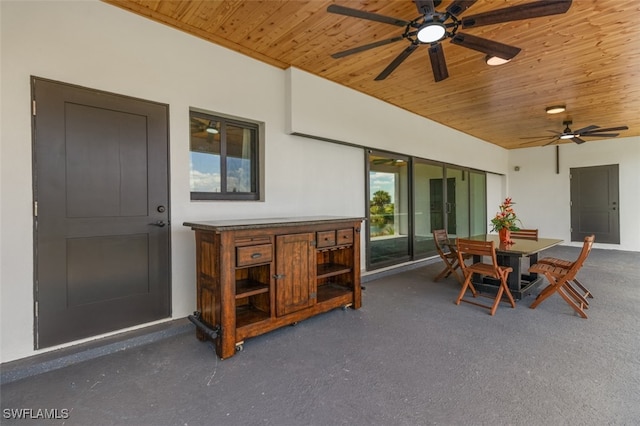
(295, 271)
(101, 212)
(594, 204)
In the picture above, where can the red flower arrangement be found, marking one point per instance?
(506, 218)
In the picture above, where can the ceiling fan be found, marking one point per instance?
(576, 136)
(432, 27)
(389, 161)
(201, 127)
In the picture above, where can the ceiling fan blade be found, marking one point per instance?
(366, 47)
(459, 6)
(534, 141)
(396, 62)
(551, 142)
(586, 129)
(516, 13)
(425, 6)
(608, 129)
(578, 140)
(600, 135)
(356, 13)
(438, 63)
(538, 138)
(484, 45)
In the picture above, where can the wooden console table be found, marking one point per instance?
(256, 275)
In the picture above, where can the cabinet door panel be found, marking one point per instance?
(295, 271)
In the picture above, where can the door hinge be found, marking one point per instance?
(37, 309)
(33, 107)
(35, 208)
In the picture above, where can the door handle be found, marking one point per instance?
(159, 223)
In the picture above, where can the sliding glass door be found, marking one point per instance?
(389, 224)
(410, 197)
(478, 199)
(428, 212)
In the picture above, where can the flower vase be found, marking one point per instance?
(505, 236)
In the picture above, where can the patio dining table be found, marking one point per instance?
(521, 283)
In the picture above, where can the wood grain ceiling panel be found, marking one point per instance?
(587, 59)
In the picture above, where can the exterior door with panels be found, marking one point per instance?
(595, 205)
(101, 204)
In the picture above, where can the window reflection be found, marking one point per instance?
(205, 155)
(388, 209)
(224, 158)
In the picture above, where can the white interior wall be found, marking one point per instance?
(496, 192)
(542, 196)
(324, 109)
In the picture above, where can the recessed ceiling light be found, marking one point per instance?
(495, 60)
(555, 109)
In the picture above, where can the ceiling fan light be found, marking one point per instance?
(431, 32)
(495, 60)
(570, 136)
(555, 109)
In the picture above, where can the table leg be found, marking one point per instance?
(533, 259)
(513, 280)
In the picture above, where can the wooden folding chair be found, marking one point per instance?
(448, 255)
(561, 279)
(567, 264)
(525, 234)
(483, 249)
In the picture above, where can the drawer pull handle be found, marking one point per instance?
(256, 255)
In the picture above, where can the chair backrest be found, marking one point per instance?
(525, 234)
(476, 248)
(584, 253)
(440, 238)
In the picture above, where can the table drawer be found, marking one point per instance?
(252, 255)
(325, 239)
(344, 236)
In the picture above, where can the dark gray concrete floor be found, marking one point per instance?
(409, 356)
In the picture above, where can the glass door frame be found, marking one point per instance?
(470, 215)
(408, 159)
(415, 163)
(447, 201)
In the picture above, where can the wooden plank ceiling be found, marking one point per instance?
(587, 59)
